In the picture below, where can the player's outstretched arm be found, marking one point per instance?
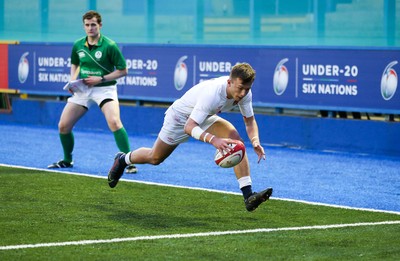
(252, 132)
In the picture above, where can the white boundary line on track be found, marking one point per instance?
(204, 189)
(191, 235)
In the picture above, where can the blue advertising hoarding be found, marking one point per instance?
(305, 78)
(39, 68)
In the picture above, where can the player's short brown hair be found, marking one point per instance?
(90, 14)
(243, 71)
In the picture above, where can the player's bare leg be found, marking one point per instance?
(111, 112)
(155, 155)
(224, 129)
(71, 114)
(69, 117)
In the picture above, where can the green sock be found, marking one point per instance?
(67, 142)
(121, 138)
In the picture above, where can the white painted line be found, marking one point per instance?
(191, 235)
(338, 206)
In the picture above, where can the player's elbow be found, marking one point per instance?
(123, 72)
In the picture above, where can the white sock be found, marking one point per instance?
(244, 181)
(128, 158)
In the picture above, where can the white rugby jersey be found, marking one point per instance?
(208, 98)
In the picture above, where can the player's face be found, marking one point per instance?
(237, 90)
(92, 27)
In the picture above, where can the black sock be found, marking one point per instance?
(247, 191)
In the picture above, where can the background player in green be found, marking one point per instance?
(99, 62)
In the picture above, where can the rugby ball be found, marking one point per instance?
(231, 158)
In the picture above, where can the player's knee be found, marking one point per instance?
(63, 127)
(115, 124)
(155, 160)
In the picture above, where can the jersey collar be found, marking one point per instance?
(99, 42)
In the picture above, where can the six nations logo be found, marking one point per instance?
(389, 81)
(23, 68)
(181, 73)
(281, 77)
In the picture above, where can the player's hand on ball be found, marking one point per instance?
(222, 144)
(231, 158)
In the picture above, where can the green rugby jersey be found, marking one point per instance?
(103, 59)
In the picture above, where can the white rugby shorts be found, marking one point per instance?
(172, 131)
(94, 95)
